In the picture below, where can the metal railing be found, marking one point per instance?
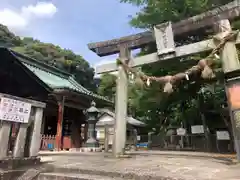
(188, 142)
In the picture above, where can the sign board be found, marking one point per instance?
(223, 135)
(181, 131)
(98, 134)
(197, 129)
(164, 38)
(138, 138)
(145, 145)
(234, 97)
(14, 110)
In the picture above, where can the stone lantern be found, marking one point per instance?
(92, 114)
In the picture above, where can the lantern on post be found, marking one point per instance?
(92, 115)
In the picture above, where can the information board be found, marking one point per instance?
(223, 135)
(181, 131)
(14, 110)
(197, 129)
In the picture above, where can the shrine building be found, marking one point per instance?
(66, 99)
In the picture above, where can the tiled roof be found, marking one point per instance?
(130, 120)
(55, 78)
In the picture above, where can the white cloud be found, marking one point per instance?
(18, 20)
(41, 9)
(12, 19)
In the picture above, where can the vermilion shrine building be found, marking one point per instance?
(66, 99)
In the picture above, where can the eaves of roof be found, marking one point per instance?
(54, 77)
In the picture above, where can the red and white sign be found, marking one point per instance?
(14, 110)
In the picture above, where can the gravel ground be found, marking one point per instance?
(148, 166)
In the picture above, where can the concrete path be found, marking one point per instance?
(149, 152)
(147, 165)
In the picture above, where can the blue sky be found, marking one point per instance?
(70, 24)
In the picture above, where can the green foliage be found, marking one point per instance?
(158, 11)
(107, 86)
(51, 54)
(7, 38)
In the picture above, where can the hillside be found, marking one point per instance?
(51, 54)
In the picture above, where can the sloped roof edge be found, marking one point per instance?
(130, 119)
(41, 65)
(60, 79)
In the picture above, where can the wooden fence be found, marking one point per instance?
(48, 142)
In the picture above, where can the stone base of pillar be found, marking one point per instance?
(92, 143)
(14, 163)
(86, 149)
(75, 149)
(20, 168)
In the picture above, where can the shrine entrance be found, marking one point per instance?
(221, 48)
(71, 129)
(50, 125)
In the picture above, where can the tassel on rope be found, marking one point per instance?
(131, 76)
(207, 72)
(187, 77)
(139, 81)
(168, 87)
(148, 82)
(216, 56)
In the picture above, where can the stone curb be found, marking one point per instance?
(55, 177)
(86, 149)
(111, 174)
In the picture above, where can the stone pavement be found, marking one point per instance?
(146, 165)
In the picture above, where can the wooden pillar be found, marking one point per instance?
(43, 124)
(76, 134)
(19, 146)
(85, 132)
(59, 138)
(121, 105)
(4, 138)
(106, 138)
(230, 63)
(36, 133)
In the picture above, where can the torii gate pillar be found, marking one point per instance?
(121, 105)
(231, 68)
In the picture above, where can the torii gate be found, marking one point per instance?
(164, 36)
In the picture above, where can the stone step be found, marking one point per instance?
(100, 174)
(29, 174)
(73, 176)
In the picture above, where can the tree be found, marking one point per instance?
(150, 104)
(51, 54)
(7, 38)
(107, 86)
(159, 11)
